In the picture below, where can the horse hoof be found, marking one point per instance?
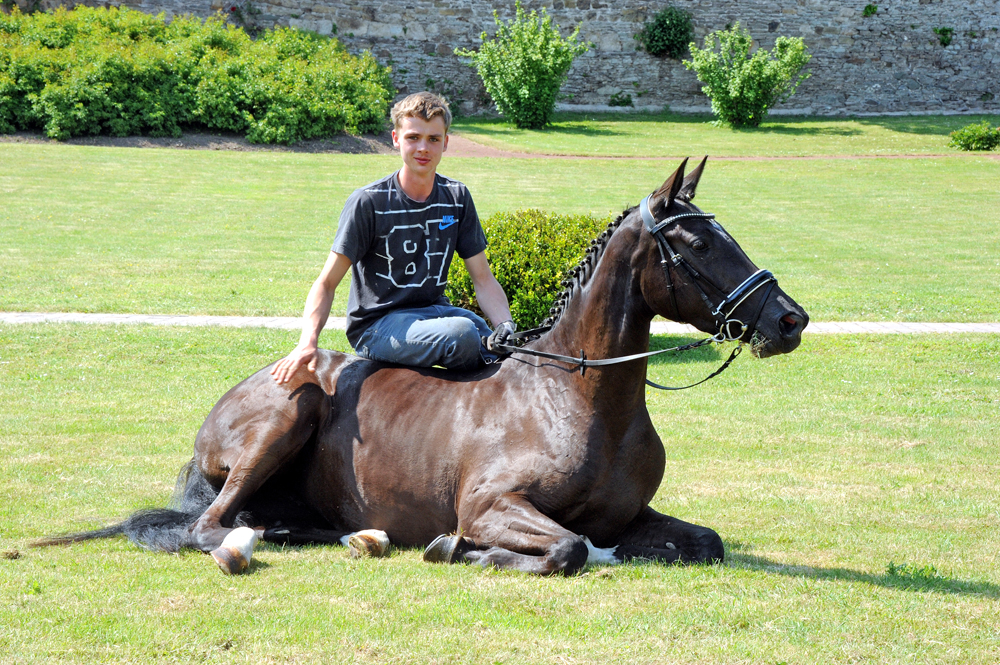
(368, 543)
(233, 556)
(447, 549)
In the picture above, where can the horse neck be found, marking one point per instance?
(606, 317)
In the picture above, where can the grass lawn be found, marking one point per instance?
(202, 232)
(680, 135)
(853, 482)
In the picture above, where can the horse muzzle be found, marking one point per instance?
(780, 327)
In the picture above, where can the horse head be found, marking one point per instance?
(693, 271)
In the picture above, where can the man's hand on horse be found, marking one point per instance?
(285, 369)
(500, 335)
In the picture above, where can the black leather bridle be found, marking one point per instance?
(672, 261)
(722, 312)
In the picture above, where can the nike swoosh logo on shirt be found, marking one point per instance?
(447, 221)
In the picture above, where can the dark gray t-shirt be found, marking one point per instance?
(401, 249)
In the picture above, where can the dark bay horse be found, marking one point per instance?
(526, 459)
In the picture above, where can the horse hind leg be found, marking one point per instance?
(512, 533)
(652, 536)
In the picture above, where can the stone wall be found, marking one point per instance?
(891, 62)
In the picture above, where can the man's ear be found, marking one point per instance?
(395, 139)
(446, 135)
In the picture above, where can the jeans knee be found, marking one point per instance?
(463, 349)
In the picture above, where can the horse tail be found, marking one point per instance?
(160, 529)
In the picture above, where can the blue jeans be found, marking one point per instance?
(426, 336)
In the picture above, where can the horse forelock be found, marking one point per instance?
(579, 275)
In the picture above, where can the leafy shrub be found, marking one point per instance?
(524, 66)
(121, 72)
(869, 10)
(668, 34)
(530, 252)
(977, 136)
(620, 98)
(744, 87)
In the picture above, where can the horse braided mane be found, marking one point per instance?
(579, 275)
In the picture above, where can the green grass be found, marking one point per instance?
(202, 232)
(681, 135)
(853, 482)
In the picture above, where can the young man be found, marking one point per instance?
(398, 236)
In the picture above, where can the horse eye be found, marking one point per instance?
(699, 246)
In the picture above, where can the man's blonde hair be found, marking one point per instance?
(424, 105)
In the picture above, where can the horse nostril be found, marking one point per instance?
(790, 325)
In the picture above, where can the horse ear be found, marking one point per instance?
(691, 182)
(665, 195)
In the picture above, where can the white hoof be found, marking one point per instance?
(233, 556)
(368, 543)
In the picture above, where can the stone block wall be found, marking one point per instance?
(891, 62)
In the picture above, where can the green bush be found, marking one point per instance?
(743, 86)
(524, 66)
(977, 136)
(121, 72)
(668, 34)
(530, 251)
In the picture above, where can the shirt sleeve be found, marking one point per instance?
(471, 238)
(356, 229)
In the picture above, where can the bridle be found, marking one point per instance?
(672, 261)
(723, 312)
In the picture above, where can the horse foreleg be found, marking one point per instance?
(249, 448)
(668, 539)
(511, 533)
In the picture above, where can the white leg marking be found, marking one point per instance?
(597, 555)
(243, 540)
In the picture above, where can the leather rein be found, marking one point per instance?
(672, 261)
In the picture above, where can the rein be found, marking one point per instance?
(722, 318)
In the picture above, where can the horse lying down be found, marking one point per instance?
(537, 463)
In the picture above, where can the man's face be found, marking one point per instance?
(420, 143)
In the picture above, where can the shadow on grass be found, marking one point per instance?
(905, 578)
(791, 128)
(928, 125)
(575, 122)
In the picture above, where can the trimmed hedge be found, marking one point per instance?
(121, 72)
(530, 252)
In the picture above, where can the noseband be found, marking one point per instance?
(723, 312)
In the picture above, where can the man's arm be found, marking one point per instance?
(489, 293)
(315, 314)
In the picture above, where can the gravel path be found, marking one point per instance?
(338, 323)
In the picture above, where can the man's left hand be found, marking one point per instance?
(500, 335)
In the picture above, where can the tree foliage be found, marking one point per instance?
(668, 34)
(743, 85)
(524, 65)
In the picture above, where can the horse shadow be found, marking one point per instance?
(905, 578)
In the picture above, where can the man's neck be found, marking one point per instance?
(417, 187)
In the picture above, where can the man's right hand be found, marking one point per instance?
(285, 369)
